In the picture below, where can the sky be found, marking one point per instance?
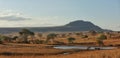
(43, 13)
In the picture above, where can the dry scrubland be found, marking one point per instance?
(44, 46)
(26, 51)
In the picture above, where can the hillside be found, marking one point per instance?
(78, 25)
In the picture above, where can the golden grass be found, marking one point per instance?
(30, 49)
(86, 54)
(46, 51)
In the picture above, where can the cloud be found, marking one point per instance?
(9, 15)
(118, 26)
(13, 18)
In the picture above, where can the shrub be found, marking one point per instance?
(15, 37)
(93, 32)
(50, 37)
(4, 38)
(78, 34)
(100, 39)
(84, 36)
(24, 34)
(1, 40)
(71, 39)
(100, 42)
(39, 41)
(26, 31)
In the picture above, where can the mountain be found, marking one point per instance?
(83, 26)
(78, 25)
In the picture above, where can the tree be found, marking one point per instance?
(100, 39)
(25, 33)
(51, 37)
(1, 39)
(15, 37)
(4, 39)
(71, 39)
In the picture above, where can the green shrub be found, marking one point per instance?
(100, 42)
(102, 37)
(39, 41)
(24, 34)
(84, 36)
(51, 37)
(4, 38)
(1, 40)
(71, 39)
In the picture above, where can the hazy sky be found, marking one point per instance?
(27, 13)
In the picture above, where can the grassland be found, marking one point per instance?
(42, 51)
(46, 50)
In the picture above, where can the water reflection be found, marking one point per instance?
(83, 47)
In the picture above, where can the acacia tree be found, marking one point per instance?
(4, 39)
(50, 37)
(1, 39)
(25, 33)
(71, 39)
(100, 39)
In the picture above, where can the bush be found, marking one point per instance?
(102, 37)
(100, 42)
(1, 38)
(39, 41)
(15, 37)
(50, 37)
(71, 39)
(1, 41)
(4, 38)
(93, 32)
(84, 36)
(25, 33)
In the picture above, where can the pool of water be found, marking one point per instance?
(84, 47)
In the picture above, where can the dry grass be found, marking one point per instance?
(46, 51)
(86, 54)
(30, 49)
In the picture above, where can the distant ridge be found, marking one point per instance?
(81, 25)
(78, 25)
